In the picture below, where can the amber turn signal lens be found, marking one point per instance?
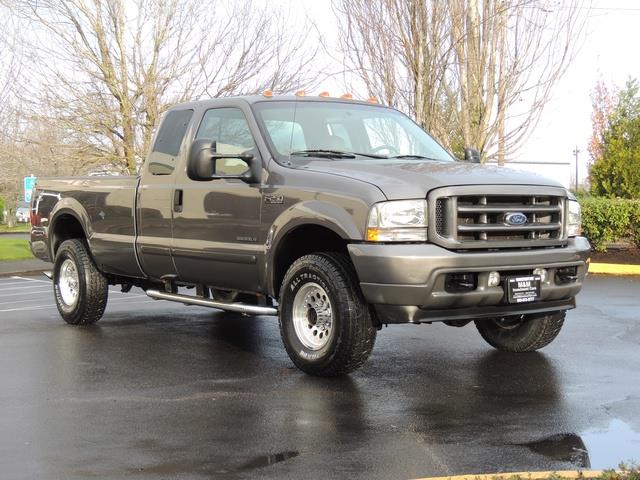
(267, 93)
(373, 99)
(372, 234)
(323, 94)
(347, 96)
(300, 93)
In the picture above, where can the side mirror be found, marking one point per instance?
(471, 155)
(204, 162)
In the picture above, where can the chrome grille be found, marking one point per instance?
(470, 217)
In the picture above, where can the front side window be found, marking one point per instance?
(228, 127)
(305, 128)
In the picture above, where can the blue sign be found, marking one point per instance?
(29, 183)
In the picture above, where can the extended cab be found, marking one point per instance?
(338, 216)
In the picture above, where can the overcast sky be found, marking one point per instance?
(609, 51)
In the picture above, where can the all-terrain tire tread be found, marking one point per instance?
(361, 334)
(97, 287)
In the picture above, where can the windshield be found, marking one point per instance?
(345, 130)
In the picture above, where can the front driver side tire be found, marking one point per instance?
(325, 322)
(80, 289)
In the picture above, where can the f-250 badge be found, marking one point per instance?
(273, 198)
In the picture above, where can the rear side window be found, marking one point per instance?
(168, 141)
(172, 132)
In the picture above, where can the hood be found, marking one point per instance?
(400, 179)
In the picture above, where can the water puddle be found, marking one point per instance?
(612, 445)
(266, 460)
(598, 449)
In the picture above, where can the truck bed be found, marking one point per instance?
(106, 207)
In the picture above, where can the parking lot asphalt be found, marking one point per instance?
(160, 390)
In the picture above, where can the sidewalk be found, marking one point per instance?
(23, 267)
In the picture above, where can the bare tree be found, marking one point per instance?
(474, 72)
(400, 50)
(106, 70)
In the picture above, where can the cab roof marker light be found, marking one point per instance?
(267, 93)
(373, 99)
(324, 94)
(300, 93)
(347, 96)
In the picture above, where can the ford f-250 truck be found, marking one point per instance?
(338, 216)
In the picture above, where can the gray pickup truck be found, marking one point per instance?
(338, 216)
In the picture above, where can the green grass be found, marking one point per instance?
(14, 249)
(21, 227)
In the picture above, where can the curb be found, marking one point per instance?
(614, 269)
(570, 474)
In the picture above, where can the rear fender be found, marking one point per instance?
(69, 206)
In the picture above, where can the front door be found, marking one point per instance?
(215, 235)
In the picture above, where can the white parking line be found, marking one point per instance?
(23, 287)
(4, 284)
(22, 293)
(49, 282)
(13, 302)
(41, 307)
(25, 309)
(31, 279)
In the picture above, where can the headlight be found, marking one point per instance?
(574, 219)
(398, 221)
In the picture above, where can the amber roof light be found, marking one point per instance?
(267, 93)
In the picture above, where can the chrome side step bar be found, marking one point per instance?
(204, 302)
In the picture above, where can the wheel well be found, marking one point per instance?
(302, 241)
(66, 227)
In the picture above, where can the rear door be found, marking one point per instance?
(216, 235)
(155, 194)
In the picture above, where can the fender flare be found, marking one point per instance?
(69, 206)
(307, 213)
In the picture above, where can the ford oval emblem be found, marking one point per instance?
(515, 219)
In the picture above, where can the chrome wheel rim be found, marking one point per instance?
(313, 316)
(68, 283)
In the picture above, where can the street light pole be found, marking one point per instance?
(575, 153)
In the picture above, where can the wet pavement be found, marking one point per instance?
(159, 390)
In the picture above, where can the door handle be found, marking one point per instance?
(177, 200)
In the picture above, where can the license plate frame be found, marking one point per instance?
(523, 288)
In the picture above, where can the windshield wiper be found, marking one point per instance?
(417, 157)
(336, 154)
(323, 153)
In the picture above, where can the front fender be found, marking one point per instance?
(311, 212)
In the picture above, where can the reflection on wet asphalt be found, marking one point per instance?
(158, 390)
(565, 447)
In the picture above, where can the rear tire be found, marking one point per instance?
(521, 334)
(80, 289)
(325, 323)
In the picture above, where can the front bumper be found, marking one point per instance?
(406, 282)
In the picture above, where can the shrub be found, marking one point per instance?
(606, 220)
